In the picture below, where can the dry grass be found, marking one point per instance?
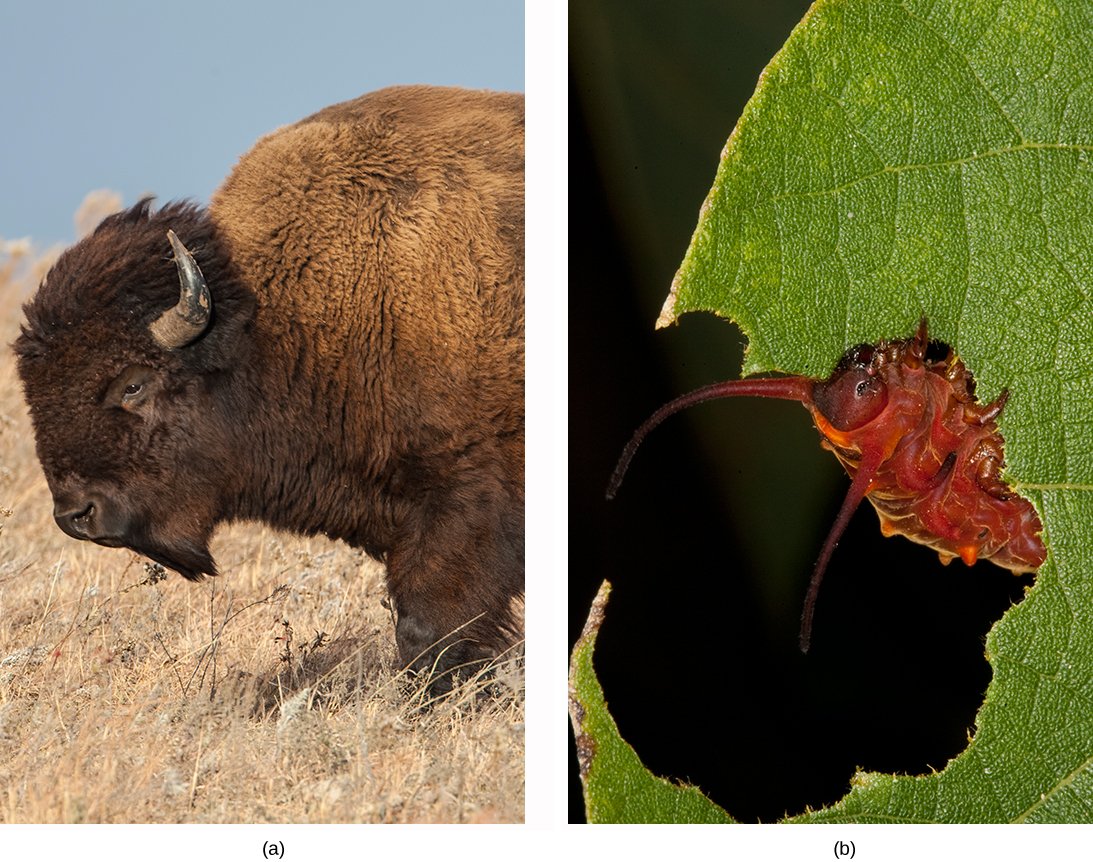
(269, 695)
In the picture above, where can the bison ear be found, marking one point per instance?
(180, 325)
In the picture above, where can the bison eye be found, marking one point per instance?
(131, 387)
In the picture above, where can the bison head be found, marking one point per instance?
(126, 360)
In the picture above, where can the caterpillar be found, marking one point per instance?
(915, 441)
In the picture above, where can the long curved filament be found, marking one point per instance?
(788, 388)
(870, 464)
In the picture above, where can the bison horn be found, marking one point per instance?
(180, 325)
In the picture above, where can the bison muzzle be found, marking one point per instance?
(334, 345)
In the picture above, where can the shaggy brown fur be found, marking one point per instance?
(362, 374)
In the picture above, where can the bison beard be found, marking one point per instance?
(334, 346)
(190, 559)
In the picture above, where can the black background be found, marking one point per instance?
(711, 541)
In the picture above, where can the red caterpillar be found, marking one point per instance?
(913, 438)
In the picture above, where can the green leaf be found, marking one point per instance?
(901, 159)
(617, 787)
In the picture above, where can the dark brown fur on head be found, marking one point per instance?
(125, 271)
(87, 324)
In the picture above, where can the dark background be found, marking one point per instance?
(712, 539)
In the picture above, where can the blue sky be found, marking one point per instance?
(152, 97)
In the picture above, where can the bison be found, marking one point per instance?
(334, 345)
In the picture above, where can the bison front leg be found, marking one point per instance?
(456, 584)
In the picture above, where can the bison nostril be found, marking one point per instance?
(96, 517)
(78, 521)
